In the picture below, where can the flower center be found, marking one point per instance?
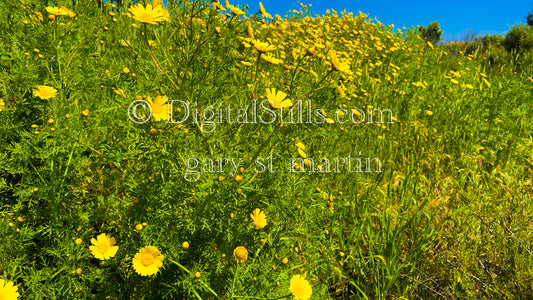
(102, 248)
(241, 253)
(157, 108)
(146, 18)
(147, 259)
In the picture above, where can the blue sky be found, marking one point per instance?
(455, 17)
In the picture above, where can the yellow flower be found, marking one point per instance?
(103, 247)
(78, 241)
(277, 99)
(148, 261)
(302, 153)
(38, 17)
(235, 10)
(85, 113)
(8, 290)
(263, 46)
(2, 104)
(149, 14)
(217, 5)
(300, 288)
(300, 145)
(119, 92)
(185, 245)
(241, 254)
(56, 11)
(486, 82)
(271, 59)
(44, 92)
(337, 65)
(68, 12)
(159, 4)
(258, 218)
(159, 108)
(263, 12)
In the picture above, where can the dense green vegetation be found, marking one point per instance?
(407, 176)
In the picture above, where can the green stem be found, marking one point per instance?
(189, 272)
(154, 58)
(295, 72)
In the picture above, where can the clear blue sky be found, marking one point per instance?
(454, 16)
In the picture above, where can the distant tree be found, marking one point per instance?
(518, 39)
(530, 19)
(491, 41)
(432, 33)
(469, 35)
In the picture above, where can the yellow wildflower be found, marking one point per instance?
(103, 247)
(258, 218)
(263, 12)
(159, 108)
(337, 65)
(240, 254)
(149, 14)
(277, 99)
(147, 261)
(300, 288)
(44, 92)
(8, 290)
(263, 46)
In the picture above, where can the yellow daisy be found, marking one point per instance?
(217, 5)
(2, 104)
(68, 12)
(337, 65)
(44, 92)
(302, 153)
(56, 11)
(148, 261)
(263, 12)
(263, 46)
(235, 10)
(159, 108)
(8, 291)
(103, 246)
(241, 254)
(159, 3)
(300, 288)
(258, 218)
(277, 99)
(149, 14)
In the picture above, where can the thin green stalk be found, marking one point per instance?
(189, 272)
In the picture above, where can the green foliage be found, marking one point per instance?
(432, 33)
(448, 217)
(519, 39)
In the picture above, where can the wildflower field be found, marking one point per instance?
(200, 150)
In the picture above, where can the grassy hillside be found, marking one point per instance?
(382, 166)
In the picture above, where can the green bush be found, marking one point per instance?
(519, 39)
